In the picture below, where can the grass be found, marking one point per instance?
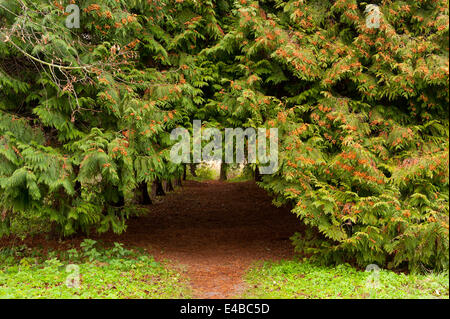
(204, 172)
(303, 280)
(117, 272)
(240, 178)
(103, 273)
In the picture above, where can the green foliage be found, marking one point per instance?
(303, 280)
(363, 122)
(244, 174)
(96, 117)
(206, 172)
(362, 113)
(113, 273)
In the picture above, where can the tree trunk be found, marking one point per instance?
(223, 171)
(167, 185)
(157, 188)
(177, 182)
(144, 198)
(170, 184)
(258, 177)
(192, 168)
(184, 172)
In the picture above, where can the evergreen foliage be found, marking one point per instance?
(362, 113)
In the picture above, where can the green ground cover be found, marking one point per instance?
(293, 279)
(103, 273)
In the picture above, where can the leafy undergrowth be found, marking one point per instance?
(303, 280)
(239, 179)
(103, 273)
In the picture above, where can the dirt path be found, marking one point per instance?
(217, 230)
(214, 231)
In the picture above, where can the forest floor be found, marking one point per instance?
(214, 231)
(211, 231)
(210, 239)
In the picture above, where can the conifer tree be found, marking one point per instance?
(361, 107)
(363, 120)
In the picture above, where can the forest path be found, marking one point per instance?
(215, 231)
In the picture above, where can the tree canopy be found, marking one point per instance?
(362, 113)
